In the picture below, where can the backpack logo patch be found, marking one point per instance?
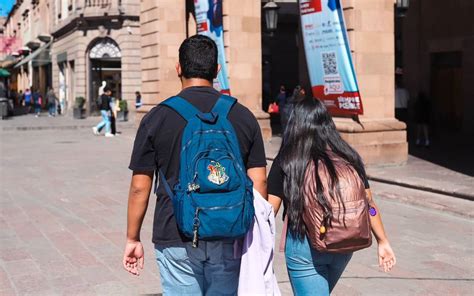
(217, 173)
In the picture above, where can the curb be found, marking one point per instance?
(436, 202)
(416, 187)
(64, 127)
(40, 128)
(423, 188)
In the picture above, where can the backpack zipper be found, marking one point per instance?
(204, 132)
(197, 222)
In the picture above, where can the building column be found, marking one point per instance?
(243, 42)
(163, 28)
(381, 139)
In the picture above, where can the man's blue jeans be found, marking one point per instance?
(209, 269)
(105, 122)
(52, 109)
(312, 272)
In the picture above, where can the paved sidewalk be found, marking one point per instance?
(416, 174)
(63, 201)
(423, 175)
(44, 122)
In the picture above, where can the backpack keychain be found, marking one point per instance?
(323, 229)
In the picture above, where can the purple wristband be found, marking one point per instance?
(372, 211)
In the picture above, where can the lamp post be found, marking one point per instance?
(271, 16)
(402, 7)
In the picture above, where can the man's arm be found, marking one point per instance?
(139, 194)
(259, 178)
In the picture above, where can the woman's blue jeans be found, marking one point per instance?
(312, 272)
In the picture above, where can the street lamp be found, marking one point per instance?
(271, 16)
(402, 7)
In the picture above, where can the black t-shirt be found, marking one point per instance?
(158, 144)
(275, 180)
(105, 102)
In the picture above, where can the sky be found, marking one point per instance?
(5, 6)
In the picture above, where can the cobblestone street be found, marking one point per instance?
(63, 219)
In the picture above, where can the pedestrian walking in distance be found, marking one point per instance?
(138, 100)
(52, 101)
(422, 119)
(114, 108)
(38, 102)
(329, 210)
(204, 199)
(281, 100)
(28, 98)
(103, 103)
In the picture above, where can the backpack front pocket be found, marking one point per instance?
(217, 222)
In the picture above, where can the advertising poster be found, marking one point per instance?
(209, 23)
(328, 56)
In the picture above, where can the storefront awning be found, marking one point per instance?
(4, 73)
(8, 62)
(40, 57)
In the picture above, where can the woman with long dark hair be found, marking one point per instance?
(311, 139)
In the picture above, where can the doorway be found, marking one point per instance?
(446, 90)
(105, 69)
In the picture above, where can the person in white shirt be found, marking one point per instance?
(401, 103)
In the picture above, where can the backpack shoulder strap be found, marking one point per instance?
(224, 104)
(182, 107)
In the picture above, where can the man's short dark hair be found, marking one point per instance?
(106, 89)
(198, 58)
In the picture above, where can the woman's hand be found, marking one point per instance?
(386, 256)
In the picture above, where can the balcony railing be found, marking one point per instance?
(99, 3)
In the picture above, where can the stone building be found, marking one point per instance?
(95, 41)
(437, 45)
(75, 46)
(380, 139)
(27, 28)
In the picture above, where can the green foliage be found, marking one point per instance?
(79, 103)
(123, 105)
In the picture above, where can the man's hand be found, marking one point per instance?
(133, 257)
(137, 204)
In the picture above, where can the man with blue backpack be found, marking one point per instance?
(206, 152)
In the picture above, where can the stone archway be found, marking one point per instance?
(105, 63)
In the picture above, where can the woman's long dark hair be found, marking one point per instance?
(309, 134)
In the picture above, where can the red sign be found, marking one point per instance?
(202, 27)
(310, 6)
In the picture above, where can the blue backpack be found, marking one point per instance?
(213, 198)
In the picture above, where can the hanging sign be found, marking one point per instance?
(328, 56)
(209, 23)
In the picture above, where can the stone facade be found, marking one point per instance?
(438, 59)
(164, 27)
(25, 23)
(86, 24)
(72, 28)
(380, 138)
